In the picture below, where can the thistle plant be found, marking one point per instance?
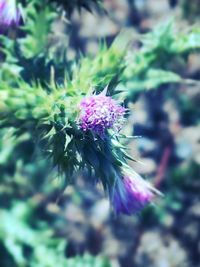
(72, 114)
(78, 131)
(69, 113)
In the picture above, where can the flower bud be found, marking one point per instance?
(100, 112)
(131, 194)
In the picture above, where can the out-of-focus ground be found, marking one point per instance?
(168, 234)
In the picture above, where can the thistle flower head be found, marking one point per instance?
(131, 194)
(9, 14)
(101, 112)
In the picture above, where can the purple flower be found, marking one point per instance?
(9, 14)
(131, 194)
(100, 112)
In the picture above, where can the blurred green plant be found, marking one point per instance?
(35, 245)
(161, 58)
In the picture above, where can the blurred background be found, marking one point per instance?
(77, 221)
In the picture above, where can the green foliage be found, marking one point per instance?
(35, 246)
(105, 69)
(38, 20)
(161, 58)
(24, 55)
(26, 103)
(51, 113)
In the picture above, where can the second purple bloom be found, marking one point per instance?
(9, 14)
(131, 194)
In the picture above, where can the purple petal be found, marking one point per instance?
(100, 112)
(9, 14)
(131, 195)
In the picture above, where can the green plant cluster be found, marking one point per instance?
(35, 247)
(161, 58)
